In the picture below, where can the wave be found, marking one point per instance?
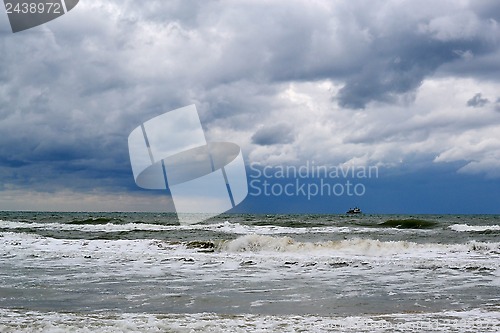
(259, 243)
(273, 253)
(268, 238)
(111, 225)
(474, 228)
(100, 225)
(408, 224)
(358, 246)
(96, 220)
(105, 225)
(243, 229)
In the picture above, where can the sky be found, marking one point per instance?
(408, 87)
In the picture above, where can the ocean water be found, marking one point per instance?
(143, 272)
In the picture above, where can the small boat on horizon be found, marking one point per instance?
(355, 210)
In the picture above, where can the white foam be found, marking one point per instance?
(359, 246)
(108, 227)
(25, 247)
(222, 227)
(476, 320)
(248, 262)
(250, 257)
(472, 228)
(25, 244)
(243, 229)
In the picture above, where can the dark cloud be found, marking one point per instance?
(477, 101)
(379, 55)
(272, 135)
(404, 56)
(71, 91)
(397, 67)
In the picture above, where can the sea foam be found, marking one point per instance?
(360, 246)
(474, 228)
(474, 320)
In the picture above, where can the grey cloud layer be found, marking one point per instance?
(71, 91)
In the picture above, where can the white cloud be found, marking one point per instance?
(462, 25)
(438, 126)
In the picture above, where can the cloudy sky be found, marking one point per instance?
(411, 87)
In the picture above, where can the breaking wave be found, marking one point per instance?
(474, 228)
(359, 246)
(116, 225)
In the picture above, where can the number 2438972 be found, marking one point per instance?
(34, 8)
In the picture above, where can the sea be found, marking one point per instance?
(143, 272)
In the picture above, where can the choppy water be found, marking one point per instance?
(250, 273)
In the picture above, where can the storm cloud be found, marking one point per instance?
(379, 82)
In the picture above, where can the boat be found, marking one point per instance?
(354, 210)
